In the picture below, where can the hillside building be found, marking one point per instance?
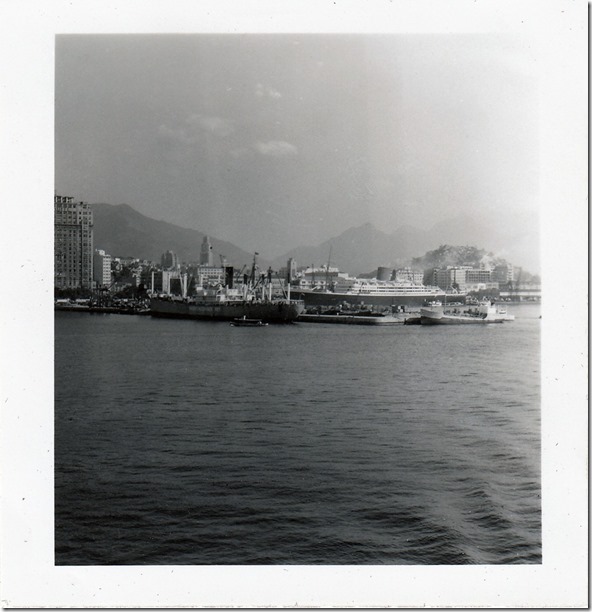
(73, 244)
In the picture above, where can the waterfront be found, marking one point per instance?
(187, 442)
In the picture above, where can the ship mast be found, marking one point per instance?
(253, 268)
(327, 271)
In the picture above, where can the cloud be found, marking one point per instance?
(276, 148)
(193, 128)
(267, 91)
(215, 125)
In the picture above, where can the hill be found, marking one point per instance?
(123, 232)
(364, 248)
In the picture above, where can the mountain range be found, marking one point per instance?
(122, 231)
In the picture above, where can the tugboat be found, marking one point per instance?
(487, 312)
(244, 322)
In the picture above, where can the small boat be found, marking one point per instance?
(487, 312)
(244, 322)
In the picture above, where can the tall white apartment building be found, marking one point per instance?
(102, 268)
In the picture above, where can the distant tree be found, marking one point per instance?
(448, 255)
(73, 294)
(128, 292)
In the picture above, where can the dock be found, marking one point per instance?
(343, 319)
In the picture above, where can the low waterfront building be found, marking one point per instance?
(491, 287)
(322, 277)
(207, 276)
(451, 277)
(477, 276)
(464, 278)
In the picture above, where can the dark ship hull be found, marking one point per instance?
(276, 311)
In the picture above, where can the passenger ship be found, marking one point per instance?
(372, 292)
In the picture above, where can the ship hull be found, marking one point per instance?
(457, 320)
(268, 312)
(328, 298)
(351, 319)
(486, 314)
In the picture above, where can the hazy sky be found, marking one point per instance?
(274, 141)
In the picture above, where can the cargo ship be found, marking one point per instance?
(226, 305)
(251, 300)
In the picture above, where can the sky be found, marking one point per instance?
(277, 141)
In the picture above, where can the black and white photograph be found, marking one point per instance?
(301, 288)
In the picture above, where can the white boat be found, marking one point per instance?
(434, 313)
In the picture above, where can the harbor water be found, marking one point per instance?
(188, 442)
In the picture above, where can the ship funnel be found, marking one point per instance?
(384, 273)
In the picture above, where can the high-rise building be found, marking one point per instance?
(206, 256)
(102, 268)
(73, 243)
(292, 269)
